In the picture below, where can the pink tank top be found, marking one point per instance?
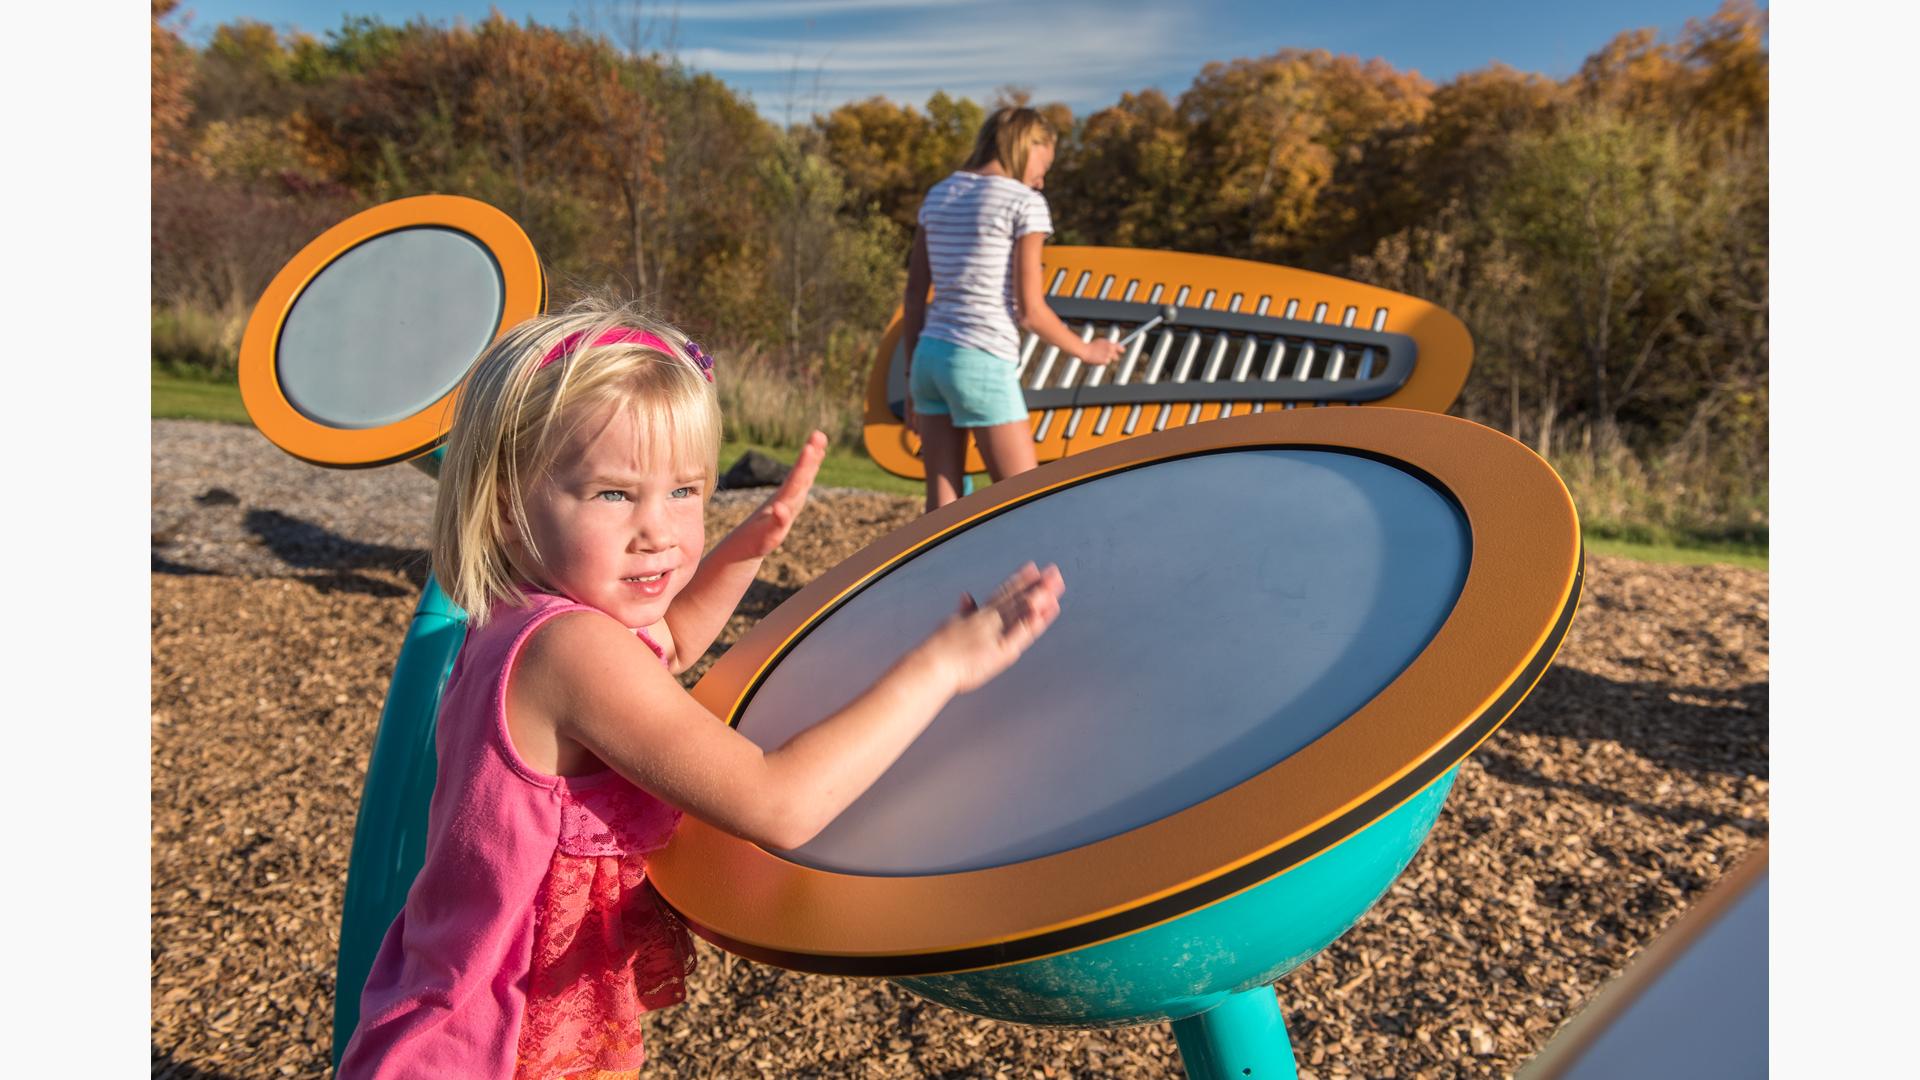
(531, 941)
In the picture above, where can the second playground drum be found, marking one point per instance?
(352, 355)
(1280, 635)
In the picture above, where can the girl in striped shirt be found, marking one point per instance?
(978, 246)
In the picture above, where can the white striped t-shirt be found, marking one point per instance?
(970, 222)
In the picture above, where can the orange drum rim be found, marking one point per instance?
(523, 296)
(1520, 592)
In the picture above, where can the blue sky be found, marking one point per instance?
(808, 55)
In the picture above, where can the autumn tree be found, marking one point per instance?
(1726, 55)
(1469, 132)
(889, 154)
(1123, 179)
(1256, 152)
(821, 276)
(544, 124)
(879, 148)
(172, 79)
(701, 214)
(1268, 135)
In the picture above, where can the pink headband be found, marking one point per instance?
(621, 335)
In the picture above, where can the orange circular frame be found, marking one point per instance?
(524, 295)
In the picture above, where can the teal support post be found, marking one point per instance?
(1242, 1038)
(390, 835)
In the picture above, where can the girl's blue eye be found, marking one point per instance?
(683, 493)
(612, 496)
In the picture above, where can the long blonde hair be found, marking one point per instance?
(1008, 137)
(513, 414)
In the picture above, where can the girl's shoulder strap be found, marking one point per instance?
(494, 644)
(511, 619)
(647, 640)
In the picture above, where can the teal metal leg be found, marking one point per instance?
(1242, 1037)
(390, 835)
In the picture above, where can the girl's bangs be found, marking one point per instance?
(677, 428)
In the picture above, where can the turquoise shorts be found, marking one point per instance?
(977, 389)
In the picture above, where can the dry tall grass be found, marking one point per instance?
(1670, 496)
(194, 339)
(763, 401)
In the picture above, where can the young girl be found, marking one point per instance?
(569, 524)
(979, 247)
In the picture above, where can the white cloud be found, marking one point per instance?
(788, 9)
(1081, 53)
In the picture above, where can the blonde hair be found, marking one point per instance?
(1007, 137)
(514, 413)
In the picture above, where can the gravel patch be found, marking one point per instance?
(227, 501)
(1632, 779)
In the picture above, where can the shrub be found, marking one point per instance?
(763, 401)
(197, 343)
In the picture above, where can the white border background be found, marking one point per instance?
(1844, 598)
(1843, 594)
(76, 450)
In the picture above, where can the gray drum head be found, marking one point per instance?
(389, 327)
(1222, 611)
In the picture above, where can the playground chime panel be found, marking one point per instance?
(1204, 338)
(1285, 626)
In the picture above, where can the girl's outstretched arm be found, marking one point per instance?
(1031, 291)
(597, 686)
(702, 609)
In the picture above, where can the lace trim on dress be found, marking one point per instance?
(606, 947)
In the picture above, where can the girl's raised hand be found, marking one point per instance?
(981, 640)
(766, 527)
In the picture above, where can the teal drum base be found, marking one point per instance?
(1239, 1038)
(1190, 964)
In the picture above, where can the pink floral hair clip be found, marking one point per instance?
(621, 335)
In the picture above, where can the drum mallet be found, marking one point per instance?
(1168, 314)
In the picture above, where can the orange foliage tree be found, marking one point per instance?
(172, 75)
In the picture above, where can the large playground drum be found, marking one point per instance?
(1281, 634)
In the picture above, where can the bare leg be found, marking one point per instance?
(1006, 448)
(943, 450)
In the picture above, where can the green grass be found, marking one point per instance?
(1725, 554)
(190, 398)
(1733, 546)
(186, 397)
(843, 468)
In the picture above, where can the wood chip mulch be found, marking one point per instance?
(1632, 779)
